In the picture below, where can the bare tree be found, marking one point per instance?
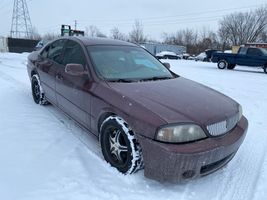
(207, 40)
(116, 34)
(170, 38)
(49, 36)
(137, 34)
(185, 37)
(263, 37)
(35, 34)
(181, 37)
(243, 27)
(93, 31)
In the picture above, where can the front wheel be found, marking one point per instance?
(119, 145)
(37, 91)
(222, 64)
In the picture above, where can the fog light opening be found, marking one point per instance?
(188, 174)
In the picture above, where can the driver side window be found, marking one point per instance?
(73, 54)
(55, 51)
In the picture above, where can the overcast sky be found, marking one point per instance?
(157, 16)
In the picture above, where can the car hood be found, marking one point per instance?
(179, 100)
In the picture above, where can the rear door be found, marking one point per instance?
(71, 91)
(50, 60)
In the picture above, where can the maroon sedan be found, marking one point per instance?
(144, 115)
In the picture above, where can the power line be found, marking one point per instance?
(173, 16)
(167, 22)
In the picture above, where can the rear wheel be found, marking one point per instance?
(37, 91)
(231, 66)
(119, 145)
(222, 64)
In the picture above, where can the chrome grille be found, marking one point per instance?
(223, 127)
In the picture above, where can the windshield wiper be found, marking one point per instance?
(155, 78)
(122, 80)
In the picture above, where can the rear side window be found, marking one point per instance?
(55, 51)
(243, 51)
(254, 52)
(73, 54)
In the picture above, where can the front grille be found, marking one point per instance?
(223, 127)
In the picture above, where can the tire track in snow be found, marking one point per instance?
(39, 169)
(67, 144)
(58, 115)
(242, 173)
(142, 186)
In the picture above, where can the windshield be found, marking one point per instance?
(117, 63)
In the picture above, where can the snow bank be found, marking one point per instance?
(44, 155)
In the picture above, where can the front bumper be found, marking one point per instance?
(179, 162)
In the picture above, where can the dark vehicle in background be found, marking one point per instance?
(209, 54)
(144, 115)
(246, 56)
(206, 55)
(167, 55)
(40, 45)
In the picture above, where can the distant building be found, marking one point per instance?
(155, 48)
(257, 44)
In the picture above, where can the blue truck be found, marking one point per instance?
(246, 56)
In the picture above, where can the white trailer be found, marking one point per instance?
(3, 44)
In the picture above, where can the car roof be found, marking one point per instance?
(87, 41)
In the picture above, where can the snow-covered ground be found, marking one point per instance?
(45, 156)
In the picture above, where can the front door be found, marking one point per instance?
(71, 90)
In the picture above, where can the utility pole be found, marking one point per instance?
(21, 26)
(75, 25)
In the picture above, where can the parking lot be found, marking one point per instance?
(45, 155)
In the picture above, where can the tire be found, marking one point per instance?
(37, 91)
(265, 69)
(222, 64)
(231, 66)
(119, 145)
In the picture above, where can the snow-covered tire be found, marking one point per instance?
(222, 64)
(37, 91)
(119, 146)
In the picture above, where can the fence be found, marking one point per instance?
(17, 45)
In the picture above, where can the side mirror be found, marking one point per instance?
(167, 65)
(74, 69)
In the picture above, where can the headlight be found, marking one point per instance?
(180, 133)
(240, 112)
